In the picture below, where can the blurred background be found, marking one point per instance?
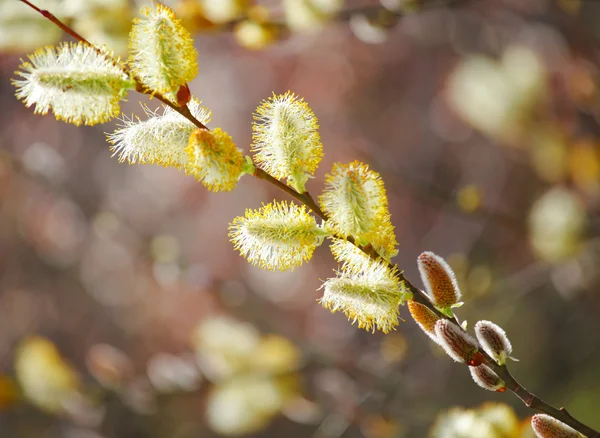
(125, 311)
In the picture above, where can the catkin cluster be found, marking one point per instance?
(84, 84)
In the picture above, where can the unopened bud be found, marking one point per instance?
(487, 379)
(457, 343)
(425, 318)
(546, 426)
(493, 340)
(439, 280)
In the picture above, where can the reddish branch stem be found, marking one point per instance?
(66, 29)
(418, 296)
(140, 88)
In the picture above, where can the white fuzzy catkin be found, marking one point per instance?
(79, 83)
(546, 426)
(160, 139)
(487, 379)
(493, 340)
(458, 344)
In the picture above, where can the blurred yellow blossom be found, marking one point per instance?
(245, 404)
(490, 420)
(225, 346)
(276, 354)
(584, 165)
(557, 221)
(46, 379)
(469, 198)
(497, 97)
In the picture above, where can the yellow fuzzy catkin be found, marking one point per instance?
(214, 159)
(367, 291)
(356, 204)
(286, 139)
(278, 236)
(162, 51)
(372, 303)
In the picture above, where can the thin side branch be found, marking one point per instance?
(140, 88)
(66, 29)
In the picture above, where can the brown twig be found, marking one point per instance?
(418, 296)
(532, 401)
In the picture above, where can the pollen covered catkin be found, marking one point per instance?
(278, 236)
(286, 139)
(163, 56)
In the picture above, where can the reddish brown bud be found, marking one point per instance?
(546, 426)
(457, 343)
(439, 280)
(424, 317)
(493, 340)
(183, 95)
(477, 359)
(487, 379)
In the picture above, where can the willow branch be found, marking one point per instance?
(534, 402)
(306, 199)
